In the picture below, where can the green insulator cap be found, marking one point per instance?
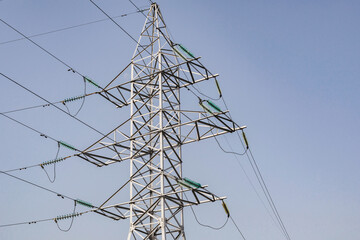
(67, 145)
(192, 183)
(186, 51)
(92, 82)
(86, 204)
(213, 105)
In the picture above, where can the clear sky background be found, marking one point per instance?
(289, 70)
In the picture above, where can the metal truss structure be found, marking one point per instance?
(160, 69)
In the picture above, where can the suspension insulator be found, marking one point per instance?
(186, 51)
(192, 183)
(213, 105)
(62, 143)
(245, 140)
(92, 82)
(218, 87)
(226, 209)
(86, 204)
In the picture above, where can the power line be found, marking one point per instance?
(23, 223)
(27, 89)
(49, 53)
(45, 105)
(47, 220)
(31, 128)
(74, 26)
(242, 235)
(262, 183)
(113, 21)
(137, 7)
(205, 225)
(271, 199)
(39, 164)
(38, 186)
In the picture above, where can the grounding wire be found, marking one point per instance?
(127, 33)
(27, 89)
(137, 8)
(71, 27)
(113, 21)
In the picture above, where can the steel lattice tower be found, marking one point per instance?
(159, 69)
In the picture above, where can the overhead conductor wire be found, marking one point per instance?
(37, 95)
(46, 51)
(74, 26)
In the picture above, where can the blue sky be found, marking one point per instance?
(289, 70)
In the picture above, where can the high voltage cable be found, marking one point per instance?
(74, 26)
(262, 184)
(258, 175)
(252, 185)
(260, 179)
(40, 220)
(39, 164)
(49, 53)
(242, 235)
(31, 128)
(29, 222)
(45, 105)
(27, 89)
(127, 33)
(271, 199)
(38, 186)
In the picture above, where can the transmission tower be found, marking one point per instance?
(159, 70)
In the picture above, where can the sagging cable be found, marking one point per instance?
(54, 162)
(67, 216)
